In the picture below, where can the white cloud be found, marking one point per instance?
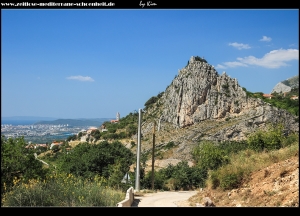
(219, 66)
(273, 59)
(239, 46)
(81, 78)
(235, 64)
(265, 38)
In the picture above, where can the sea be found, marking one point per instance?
(37, 139)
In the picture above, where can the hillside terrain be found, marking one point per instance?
(200, 104)
(275, 185)
(205, 133)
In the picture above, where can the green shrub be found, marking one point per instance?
(169, 145)
(159, 181)
(89, 160)
(215, 180)
(177, 177)
(197, 58)
(152, 100)
(271, 139)
(209, 156)
(290, 139)
(63, 190)
(132, 144)
(230, 181)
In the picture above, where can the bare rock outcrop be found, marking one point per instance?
(198, 93)
(214, 107)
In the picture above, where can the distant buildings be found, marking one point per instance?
(117, 118)
(268, 96)
(89, 131)
(55, 143)
(103, 128)
(294, 97)
(36, 145)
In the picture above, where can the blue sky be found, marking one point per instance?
(95, 63)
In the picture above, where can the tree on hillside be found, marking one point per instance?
(96, 134)
(18, 163)
(72, 137)
(89, 160)
(152, 100)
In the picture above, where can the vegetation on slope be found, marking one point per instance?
(217, 165)
(280, 101)
(70, 180)
(62, 190)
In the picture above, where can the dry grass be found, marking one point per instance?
(272, 180)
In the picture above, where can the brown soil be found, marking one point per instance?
(274, 186)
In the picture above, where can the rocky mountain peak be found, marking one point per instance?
(199, 93)
(200, 103)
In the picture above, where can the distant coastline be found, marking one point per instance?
(23, 120)
(43, 130)
(18, 122)
(30, 120)
(27, 118)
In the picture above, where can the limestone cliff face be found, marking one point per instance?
(286, 85)
(281, 88)
(200, 103)
(198, 93)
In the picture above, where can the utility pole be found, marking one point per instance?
(153, 149)
(138, 154)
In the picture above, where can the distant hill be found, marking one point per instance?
(23, 120)
(26, 118)
(293, 82)
(96, 122)
(286, 85)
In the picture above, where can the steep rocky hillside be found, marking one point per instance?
(286, 85)
(201, 104)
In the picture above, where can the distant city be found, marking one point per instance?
(40, 133)
(35, 130)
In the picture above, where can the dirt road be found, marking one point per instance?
(163, 199)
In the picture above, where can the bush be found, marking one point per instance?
(169, 145)
(89, 160)
(55, 148)
(132, 144)
(197, 58)
(290, 139)
(159, 181)
(176, 177)
(73, 137)
(152, 100)
(271, 139)
(209, 156)
(230, 181)
(63, 190)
